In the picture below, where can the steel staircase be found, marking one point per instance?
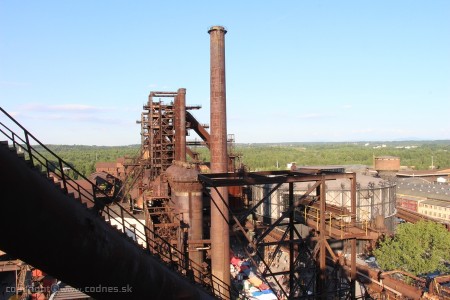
(78, 244)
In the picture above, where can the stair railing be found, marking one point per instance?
(58, 169)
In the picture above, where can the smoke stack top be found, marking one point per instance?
(217, 27)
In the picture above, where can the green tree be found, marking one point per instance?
(416, 248)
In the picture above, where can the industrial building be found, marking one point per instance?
(173, 227)
(431, 199)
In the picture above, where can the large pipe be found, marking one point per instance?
(180, 125)
(220, 242)
(188, 206)
(49, 230)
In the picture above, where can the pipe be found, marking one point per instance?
(220, 241)
(188, 205)
(196, 224)
(180, 125)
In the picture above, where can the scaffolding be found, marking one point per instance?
(158, 135)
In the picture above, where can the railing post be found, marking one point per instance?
(123, 219)
(108, 213)
(13, 139)
(47, 168)
(63, 176)
(94, 194)
(27, 140)
(79, 191)
(170, 251)
(147, 238)
(212, 283)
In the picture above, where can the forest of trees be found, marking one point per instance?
(258, 157)
(419, 155)
(83, 158)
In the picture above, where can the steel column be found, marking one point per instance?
(322, 291)
(353, 241)
(291, 241)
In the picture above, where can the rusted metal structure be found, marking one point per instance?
(173, 201)
(187, 204)
(158, 133)
(297, 285)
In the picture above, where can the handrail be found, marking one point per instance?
(148, 239)
(334, 220)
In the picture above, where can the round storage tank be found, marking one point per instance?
(374, 197)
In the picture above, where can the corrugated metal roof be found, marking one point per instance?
(419, 173)
(420, 188)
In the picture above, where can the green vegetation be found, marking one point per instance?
(266, 156)
(83, 158)
(416, 248)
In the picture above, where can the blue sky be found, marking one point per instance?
(78, 72)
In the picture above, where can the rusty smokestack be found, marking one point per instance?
(180, 125)
(220, 236)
